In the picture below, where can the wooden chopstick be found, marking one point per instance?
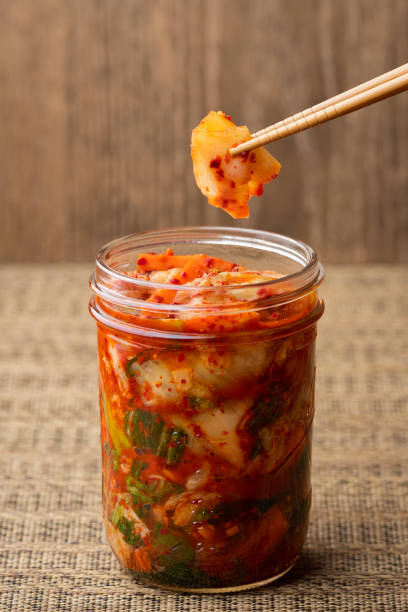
(383, 78)
(347, 102)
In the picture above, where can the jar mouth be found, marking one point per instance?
(300, 269)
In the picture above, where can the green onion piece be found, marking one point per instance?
(113, 455)
(147, 429)
(265, 413)
(148, 432)
(115, 459)
(163, 488)
(142, 510)
(133, 482)
(119, 438)
(146, 354)
(178, 549)
(126, 527)
(139, 438)
(138, 497)
(176, 446)
(116, 515)
(163, 443)
(137, 468)
(156, 427)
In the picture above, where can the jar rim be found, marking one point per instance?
(287, 287)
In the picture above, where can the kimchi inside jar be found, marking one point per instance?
(206, 340)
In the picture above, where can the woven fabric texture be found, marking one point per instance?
(53, 553)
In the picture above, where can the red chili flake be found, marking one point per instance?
(274, 315)
(228, 117)
(158, 298)
(181, 357)
(225, 203)
(175, 281)
(244, 156)
(253, 158)
(209, 261)
(263, 291)
(259, 190)
(183, 274)
(232, 184)
(142, 261)
(163, 531)
(220, 174)
(224, 433)
(215, 162)
(221, 443)
(235, 267)
(183, 381)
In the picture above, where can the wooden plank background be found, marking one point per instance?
(98, 99)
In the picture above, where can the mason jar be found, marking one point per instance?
(206, 402)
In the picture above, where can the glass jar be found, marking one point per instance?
(206, 406)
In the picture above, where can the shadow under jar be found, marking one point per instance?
(206, 403)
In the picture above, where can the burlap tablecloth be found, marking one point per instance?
(53, 551)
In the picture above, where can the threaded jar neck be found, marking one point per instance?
(297, 264)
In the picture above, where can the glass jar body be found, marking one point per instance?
(206, 458)
(206, 437)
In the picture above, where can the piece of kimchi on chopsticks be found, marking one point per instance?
(229, 182)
